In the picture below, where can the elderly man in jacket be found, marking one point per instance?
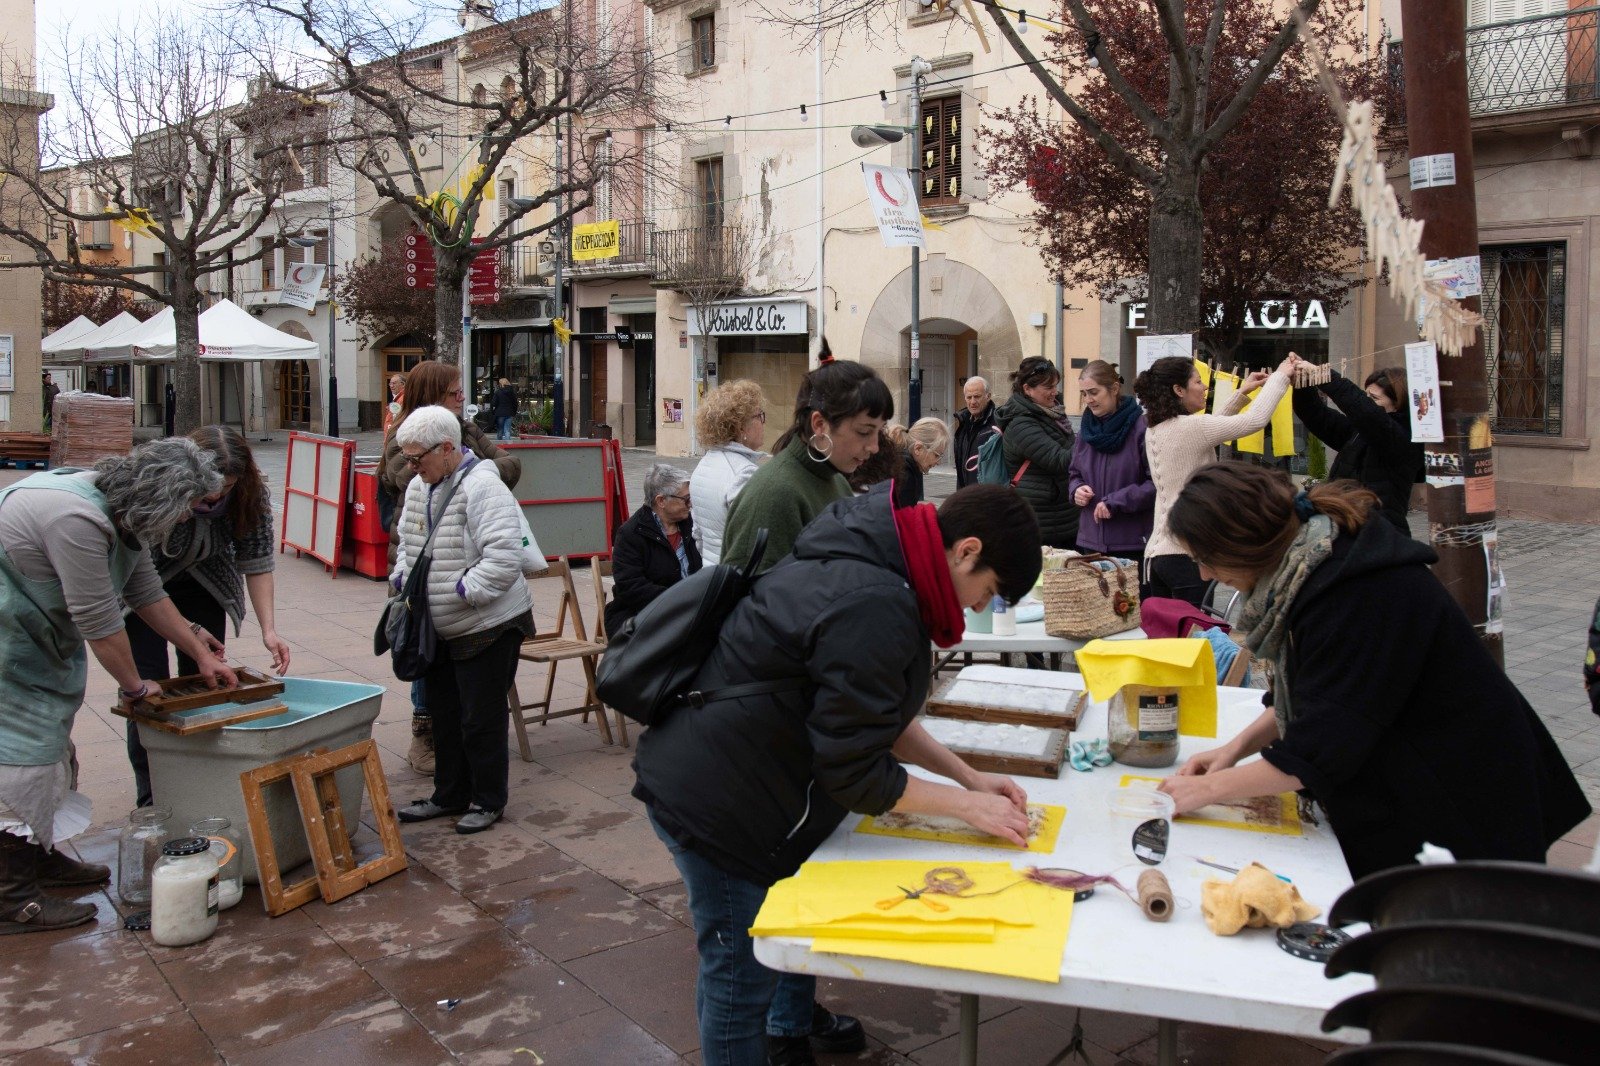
(480, 607)
(974, 424)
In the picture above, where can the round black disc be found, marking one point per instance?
(1311, 940)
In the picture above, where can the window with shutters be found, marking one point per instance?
(703, 33)
(708, 191)
(600, 149)
(269, 261)
(318, 253)
(940, 142)
(1524, 305)
(506, 192)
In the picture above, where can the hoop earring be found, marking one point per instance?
(819, 455)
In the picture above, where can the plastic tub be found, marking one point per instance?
(198, 776)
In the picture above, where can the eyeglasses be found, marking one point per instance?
(761, 416)
(458, 393)
(674, 496)
(415, 461)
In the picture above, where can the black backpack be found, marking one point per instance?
(650, 665)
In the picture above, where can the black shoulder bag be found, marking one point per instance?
(405, 628)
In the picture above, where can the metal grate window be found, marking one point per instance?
(941, 150)
(1524, 332)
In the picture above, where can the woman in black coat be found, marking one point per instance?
(742, 790)
(1037, 432)
(654, 549)
(1371, 430)
(1386, 708)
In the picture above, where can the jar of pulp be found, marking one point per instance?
(230, 864)
(183, 893)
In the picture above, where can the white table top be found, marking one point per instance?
(1115, 958)
(1030, 637)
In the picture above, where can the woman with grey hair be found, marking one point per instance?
(654, 549)
(480, 608)
(72, 552)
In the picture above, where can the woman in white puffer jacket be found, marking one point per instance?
(731, 422)
(480, 607)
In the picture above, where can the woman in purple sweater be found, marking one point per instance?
(1110, 477)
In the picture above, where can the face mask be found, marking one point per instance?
(211, 510)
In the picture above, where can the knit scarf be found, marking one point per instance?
(922, 546)
(1265, 620)
(1107, 435)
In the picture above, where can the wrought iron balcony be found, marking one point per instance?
(1546, 61)
(633, 256)
(526, 267)
(701, 257)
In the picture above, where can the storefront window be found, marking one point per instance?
(525, 357)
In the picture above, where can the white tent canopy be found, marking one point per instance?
(62, 338)
(118, 348)
(74, 350)
(228, 334)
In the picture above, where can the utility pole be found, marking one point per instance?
(1439, 123)
(920, 68)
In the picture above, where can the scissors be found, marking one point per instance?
(931, 904)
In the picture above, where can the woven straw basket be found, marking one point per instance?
(1091, 596)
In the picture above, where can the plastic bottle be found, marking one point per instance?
(1005, 618)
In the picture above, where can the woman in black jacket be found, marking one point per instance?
(1371, 430)
(1385, 706)
(654, 549)
(743, 790)
(1037, 432)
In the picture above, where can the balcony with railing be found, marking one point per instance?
(700, 258)
(95, 235)
(634, 254)
(1522, 72)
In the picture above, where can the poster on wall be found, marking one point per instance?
(1478, 467)
(1422, 374)
(671, 411)
(1495, 584)
(8, 369)
(1150, 347)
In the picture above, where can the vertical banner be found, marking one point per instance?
(894, 204)
(1422, 375)
(301, 284)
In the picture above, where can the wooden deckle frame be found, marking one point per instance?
(985, 693)
(1041, 759)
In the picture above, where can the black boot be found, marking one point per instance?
(57, 869)
(23, 908)
(836, 1033)
(789, 1051)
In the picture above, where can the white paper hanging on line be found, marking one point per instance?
(1150, 347)
(1461, 277)
(1422, 377)
(1428, 171)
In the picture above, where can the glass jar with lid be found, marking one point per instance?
(1142, 725)
(138, 848)
(183, 893)
(230, 862)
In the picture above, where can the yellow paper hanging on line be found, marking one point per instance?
(1282, 431)
(1204, 370)
(1186, 664)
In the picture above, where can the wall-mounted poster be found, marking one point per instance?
(671, 411)
(8, 368)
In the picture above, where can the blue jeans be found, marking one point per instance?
(737, 1000)
(419, 699)
(505, 427)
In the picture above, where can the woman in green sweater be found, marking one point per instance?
(837, 417)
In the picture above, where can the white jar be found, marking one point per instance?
(1005, 617)
(183, 893)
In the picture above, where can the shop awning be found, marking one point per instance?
(632, 305)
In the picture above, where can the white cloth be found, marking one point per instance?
(479, 544)
(716, 481)
(39, 804)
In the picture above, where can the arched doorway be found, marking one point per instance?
(295, 380)
(967, 328)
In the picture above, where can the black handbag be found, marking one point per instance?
(649, 666)
(405, 628)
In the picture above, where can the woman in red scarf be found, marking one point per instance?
(743, 790)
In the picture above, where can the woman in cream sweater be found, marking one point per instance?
(1180, 440)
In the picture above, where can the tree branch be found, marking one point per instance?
(1263, 68)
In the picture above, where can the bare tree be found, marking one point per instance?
(146, 116)
(535, 74)
(1196, 114)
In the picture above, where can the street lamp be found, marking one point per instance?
(558, 419)
(871, 137)
(331, 401)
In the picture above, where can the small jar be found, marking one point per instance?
(138, 848)
(183, 893)
(230, 863)
(1142, 726)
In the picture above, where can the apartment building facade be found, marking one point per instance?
(741, 292)
(21, 397)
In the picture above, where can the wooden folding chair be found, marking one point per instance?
(550, 649)
(599, 574)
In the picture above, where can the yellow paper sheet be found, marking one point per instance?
(1185, 663)
(1282, 430)
(962, 930)
(1030, 921)
(1044, 840)
(1279, 815)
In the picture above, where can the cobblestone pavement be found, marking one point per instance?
(562, 932)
